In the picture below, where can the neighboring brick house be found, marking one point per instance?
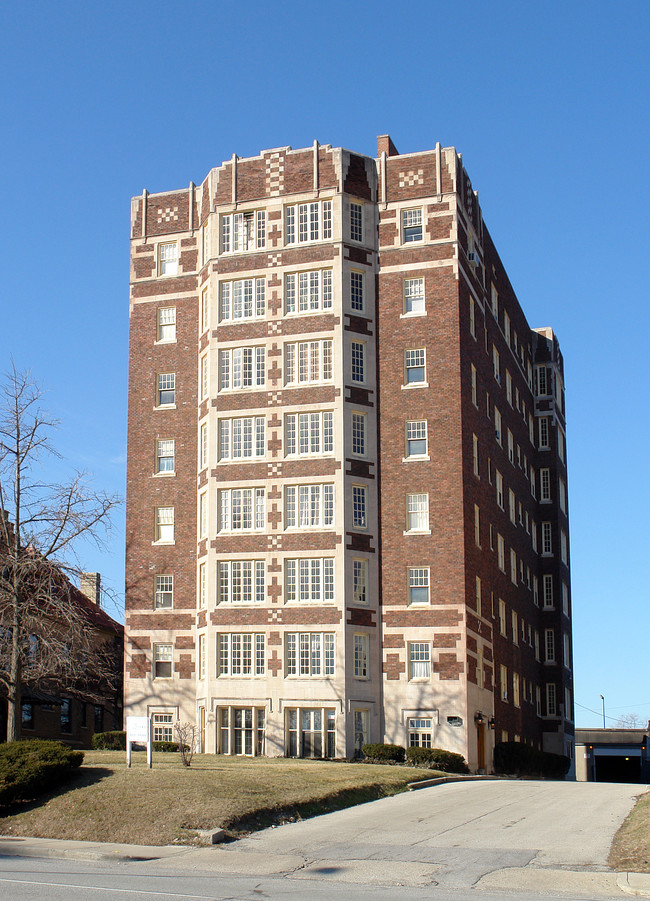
(347, 492)
(73, 713)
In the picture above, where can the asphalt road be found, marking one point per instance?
(493, 840)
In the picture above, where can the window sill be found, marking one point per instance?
(164, 475)
(413, 315)
(166, 341)
(417, 532)
(230, 460)
(416, 458)
(415, 385)
(163, 543)
(165, 407)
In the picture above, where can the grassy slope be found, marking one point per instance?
(106, 801)
(631, 846)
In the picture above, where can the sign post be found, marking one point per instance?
(138, 729)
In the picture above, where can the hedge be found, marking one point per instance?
(29, 768)
(439, 759)
(513, 758)
(383, 752)
(109, 741)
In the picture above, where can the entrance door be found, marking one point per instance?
(480, 746)
(201, 730)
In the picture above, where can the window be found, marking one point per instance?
(516, 700)
(480, 669)
(308, 506)
(308, 222)
(475, 454)
(361, 731)
(511, 448)
(165, 455)
(420, 732)
(498, 429)
(506, 328)
(202, 654)
(538, 700)
(566, 650)
(359, 434)
(562, 494)
(242, 299)
(512, 506)
(411, 226)
(513, 567)
(501, 553)
(358, 361)
(547, 590)
(164, 592)
(359, 507)
(166, 324)
(565, 599)
(413, 295)
(503, 680)
(417, 512)
(356, 222)
(508, 387)
(166, 389)
(419, 660)
(242, 439)
(241, 509)
(308, 361)
(360, 581)
(309, 654)
(477, 596)
(541, 380)
(204, 376)
(543, 433)
(472, 318)
(203, 441)
(241, 654)
(536, 591)
(240, 730)
(494, 301)
(168, 259)
(515, 627)
(549, 646)
(243, 231)
(308, 292)
(356, 291)
(162, 726)
(547, 541)
(545, 485)
(496, 363)
(503, 624)
(240, 582)
(499, 488)
(204, 318)
(564, 547)
(66, 723)
(242, 367)
(309, 580)
(415, 366)
(416, 438)
(560, 444)
(361, 656)
(311, 732)
(551, 703)
(162, 661)
(474, 388)
(477, 526)
(98, 718)
(165, 525)
(203, 586)
(27, 717)
(418, 584)
(307, 434)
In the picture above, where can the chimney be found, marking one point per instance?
(385, 145)
(90, 584)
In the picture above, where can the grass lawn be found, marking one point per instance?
(105, 801)
(631, 846)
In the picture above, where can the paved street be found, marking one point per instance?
(492, 839)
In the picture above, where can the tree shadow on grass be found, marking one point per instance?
(77, 778)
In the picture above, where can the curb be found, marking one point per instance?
(14, 846)
(637, 884)
(441, 780)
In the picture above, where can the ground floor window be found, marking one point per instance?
(361, 732)
(163, 729)
(27, 715)
(240, 730)
(420, 732)
(311, 732)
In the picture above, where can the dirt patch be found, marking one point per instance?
(630, 849)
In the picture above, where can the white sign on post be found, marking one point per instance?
(138, 729)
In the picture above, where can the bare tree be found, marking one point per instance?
(630, 721)
(47, 638)
(186, 736)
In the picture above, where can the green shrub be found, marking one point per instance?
(29, 768)
(165, 746)
(383, 752)
(438, 759)
(109, 741)
(512, 758)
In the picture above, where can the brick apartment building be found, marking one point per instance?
(347, 491)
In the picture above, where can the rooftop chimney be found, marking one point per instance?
(385, 145)
(90, 584)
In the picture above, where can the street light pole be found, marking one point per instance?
(602, 698)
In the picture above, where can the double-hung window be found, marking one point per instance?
(241, 582)
(241, 654)
(163, 729)
(166, 393)
(308, 506)
(418, 578)
(309, 654)
(361, 655)
(359, 421)
(419, 660)
(356, 222)
(545, 485)
(413, 295)
(241, 509)
(165, 525)
(308, 292)
(411, 226)
(305, 222)
(544, 443)
(162, 661)
(165, 455)
(168, 259)
(242, 299)
(242, 439)
(359, 507)
(166, 324)
(416, 438)
(417, 512)
(245, 231)
(164, 591)
(547, 539)
(309, 580)
(415, 366)
(358, 361)
(356, 291)
(308, 434)
(242, 367)
(308, 361)
(360, 581)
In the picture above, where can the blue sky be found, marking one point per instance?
(548, 103)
